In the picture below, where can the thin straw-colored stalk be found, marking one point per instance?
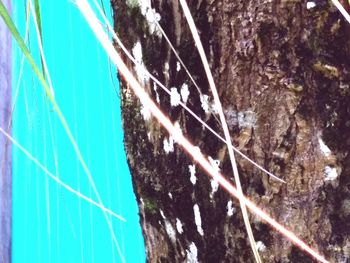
(8, 21)
(57, 180)
(200, 48)
(127, 53)
(102, 36)
(342, 10)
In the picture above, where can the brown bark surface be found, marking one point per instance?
(283, 75)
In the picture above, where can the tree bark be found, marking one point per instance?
(283, 73)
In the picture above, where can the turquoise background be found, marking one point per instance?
(51, 224)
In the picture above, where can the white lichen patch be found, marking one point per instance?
(246, 119)
(170, 231)
(179, 226)
(168, 145)
(310, 5)
(230, 209)
(166, 71)
(330, 173)
(155, 88)
(132, 3)
(168, 227)
(145, 112)
(242, 119)
(205, 103)
(175, 97)
(140, 68)
(198, 219)
(214, 187)
(185, 93)
(178, 66)
(150, 14)
(161, 213)
(214, 108)
(192, 254)
(214, 163)
(214, 183)
(153, 18)
(324, 148)
(137, 52)
(166, 66)
(260, 246)
(178, 132)
(193, 177)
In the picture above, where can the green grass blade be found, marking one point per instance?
(38, 16)
(41, 48)
(8, 21)
(38, 19)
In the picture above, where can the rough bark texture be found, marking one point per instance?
(5, 146)
(283, 75)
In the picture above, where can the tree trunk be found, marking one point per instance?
(282, 69)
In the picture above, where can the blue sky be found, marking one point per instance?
(51, 224)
